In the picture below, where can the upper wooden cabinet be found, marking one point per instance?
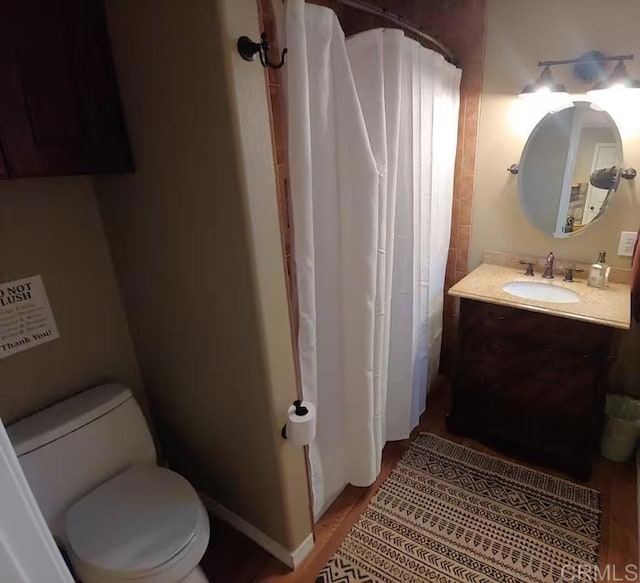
(59, 106)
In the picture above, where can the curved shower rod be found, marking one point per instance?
(401, 22)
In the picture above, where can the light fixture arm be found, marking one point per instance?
(591, 59)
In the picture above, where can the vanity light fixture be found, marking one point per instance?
(588, 67)
(619, 80)
(545, 84)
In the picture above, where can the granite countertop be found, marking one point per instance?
(609, 307)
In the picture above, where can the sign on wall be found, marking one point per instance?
(26, 320)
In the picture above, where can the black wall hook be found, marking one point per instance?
(247, 49)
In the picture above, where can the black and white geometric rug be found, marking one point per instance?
(448, 514)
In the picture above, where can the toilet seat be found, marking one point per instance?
(147, 524)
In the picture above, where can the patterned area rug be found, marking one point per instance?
(448, 513)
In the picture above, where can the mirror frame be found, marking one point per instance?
(527, 145)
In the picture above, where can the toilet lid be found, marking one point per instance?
(134, 522)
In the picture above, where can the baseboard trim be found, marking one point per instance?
(302, 552)
(291, 559)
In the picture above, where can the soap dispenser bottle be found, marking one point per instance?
(599, 272)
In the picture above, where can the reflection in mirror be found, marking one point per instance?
(556, 178)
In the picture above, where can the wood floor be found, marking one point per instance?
(232, 558)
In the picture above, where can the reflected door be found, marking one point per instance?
(604, 156)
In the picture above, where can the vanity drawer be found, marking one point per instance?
(565, 334)
(538, 386)
(485, 316)
(535, 329)
(513, 360)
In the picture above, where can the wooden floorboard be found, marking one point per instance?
(232, 558)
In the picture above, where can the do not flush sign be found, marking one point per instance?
(25, 316)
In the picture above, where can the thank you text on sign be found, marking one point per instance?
(25, 316)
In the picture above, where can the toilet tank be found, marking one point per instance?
(74, 446)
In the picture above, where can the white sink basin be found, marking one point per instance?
(542, 292)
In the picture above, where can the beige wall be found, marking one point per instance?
(52, 227)
(196, 243)
(519, 34)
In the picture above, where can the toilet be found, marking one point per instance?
(91, 464)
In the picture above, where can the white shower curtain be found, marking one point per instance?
(372, 141)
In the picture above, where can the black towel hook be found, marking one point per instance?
(247, 49)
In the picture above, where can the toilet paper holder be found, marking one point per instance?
(301, 411)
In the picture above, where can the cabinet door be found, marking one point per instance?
(530, 384)
(59, 106)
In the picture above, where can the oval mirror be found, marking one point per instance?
(570, 169)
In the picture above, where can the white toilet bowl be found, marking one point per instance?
(146, 525)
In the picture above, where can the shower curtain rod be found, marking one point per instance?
(403, 23)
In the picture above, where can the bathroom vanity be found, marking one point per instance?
(530, 375)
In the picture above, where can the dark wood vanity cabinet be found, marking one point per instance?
(59, 106)
(531, 384)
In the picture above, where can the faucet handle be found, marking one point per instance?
(529, 265)
(570, 271)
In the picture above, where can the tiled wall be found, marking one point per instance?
(460, 24)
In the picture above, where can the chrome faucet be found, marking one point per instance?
(548, 266)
